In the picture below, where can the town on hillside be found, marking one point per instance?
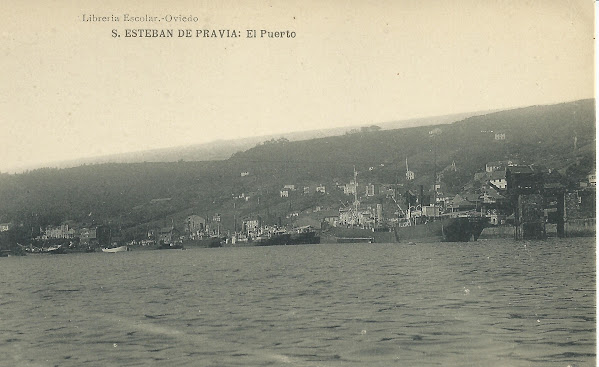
(526, 173)
(515, 200)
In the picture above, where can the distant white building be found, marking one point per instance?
(592, 179)
(409, 174)
(62, 231)
(369, 190)
(251, 225)
(350, 188)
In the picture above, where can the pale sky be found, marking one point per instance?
(70, 90)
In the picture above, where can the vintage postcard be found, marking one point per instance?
(305, 183)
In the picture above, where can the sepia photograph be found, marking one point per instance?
(334, 183)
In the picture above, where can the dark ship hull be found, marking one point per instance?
(171, 246)
(463, 229)
(458, 229)
(357, 235)
(305, 238)
(204, 242)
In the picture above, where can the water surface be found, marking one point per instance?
(488, 303)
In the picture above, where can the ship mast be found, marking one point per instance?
(355, 188)
(355, 195)
(434, 133)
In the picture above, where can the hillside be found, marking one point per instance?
(223, 149)
(135, 196)
(539, 134)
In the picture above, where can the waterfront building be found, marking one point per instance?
(62, 231)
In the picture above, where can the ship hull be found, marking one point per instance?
(171, 246)
(461, 229)
(357, 235)
(305, 238)
(204, 242)
(426, 232)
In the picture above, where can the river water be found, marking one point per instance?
(488, 303)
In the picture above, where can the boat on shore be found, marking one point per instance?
(115, 249)
(56, 250)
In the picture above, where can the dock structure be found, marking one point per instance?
(530, 218)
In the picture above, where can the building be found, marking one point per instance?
(580, 204)
(195, 224)
(499, 136)
(251, 225)
(463, 202)
(592, 178)
(95, 236)
(370, 190)
(494, 166)
(5, 227)
(492, 196)
(321, 189)
(284, 193)
(500, 165)
(498, 179)
(87, 236)
(523, 180)
(62, 231)
(497, 219)
(409, 174)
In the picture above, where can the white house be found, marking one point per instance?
(498, 179)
